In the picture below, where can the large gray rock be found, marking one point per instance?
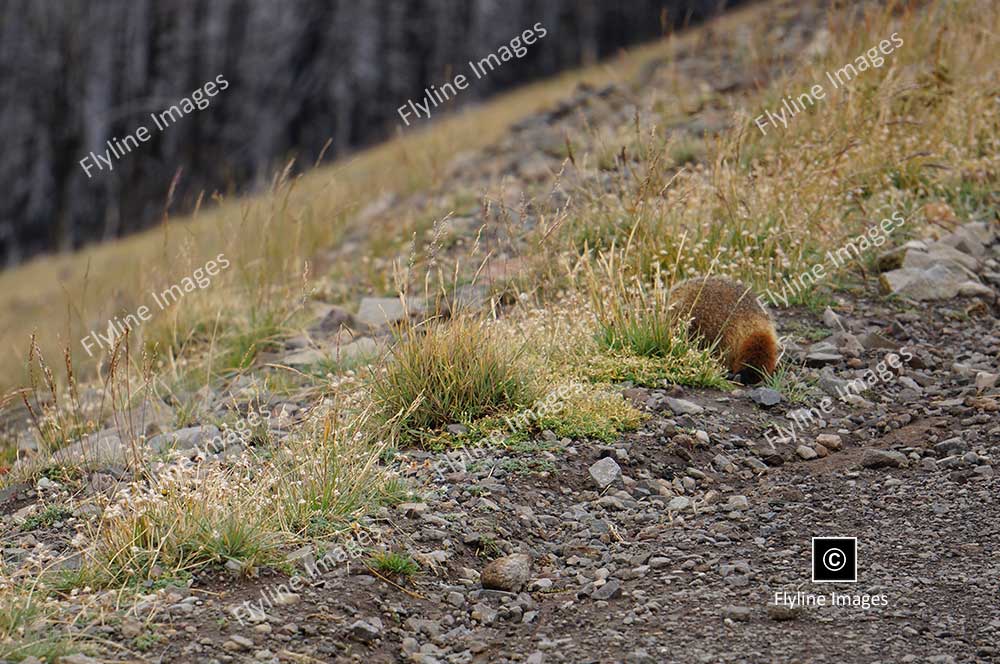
(883, 459)
(150, 417)
(848, 344)
(945, 269)
(972, 238)
(830, 383)
(104, 448)
(683, 406)
(765, 396)
(336, 319)
(942, 254)
(509, 573)
(822, 358)
(378, 311)
(366, 630)
(951, 446)
(830, 441)
(304, 358)
(364, 348)
(605, 472)
(832, 320)
(679, 503)
(610, 590)
(938, 282)
(976, 289)
(874, 340)
(806, 452)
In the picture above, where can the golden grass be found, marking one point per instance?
(185, 517)
(922, 128)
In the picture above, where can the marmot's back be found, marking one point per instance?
(726, 311)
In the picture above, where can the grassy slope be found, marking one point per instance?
(270, 235)
(923, 130)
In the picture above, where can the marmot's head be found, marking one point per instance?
(758, 357)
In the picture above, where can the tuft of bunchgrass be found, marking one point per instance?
(241, 346)
(181, 524)
(642, 338)
(394, 563)
(442, 373)
(57, 416)
(395, 491)
(788, 381)
(334, 476)
(241, 515)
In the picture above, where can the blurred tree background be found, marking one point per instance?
(75, 73)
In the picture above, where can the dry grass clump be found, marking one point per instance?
(181, 524)
(335, 478)
(59, 412)
(57, 415)
(441, 374)
(187, 517)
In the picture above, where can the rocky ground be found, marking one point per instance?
(671, 543)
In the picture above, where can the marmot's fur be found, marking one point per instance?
(726, 313)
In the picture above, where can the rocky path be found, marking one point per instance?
(671, 544)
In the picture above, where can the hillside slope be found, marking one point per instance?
(469, 430)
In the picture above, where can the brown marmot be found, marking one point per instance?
(726, 313)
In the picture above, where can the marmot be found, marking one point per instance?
(725, 311)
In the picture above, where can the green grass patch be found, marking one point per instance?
(698, 368)
(638, 336)
(49, 516)
(790, 384)
(394, 563)
(394, 491)
(240, 347)
(488, 548)
(574, 411)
